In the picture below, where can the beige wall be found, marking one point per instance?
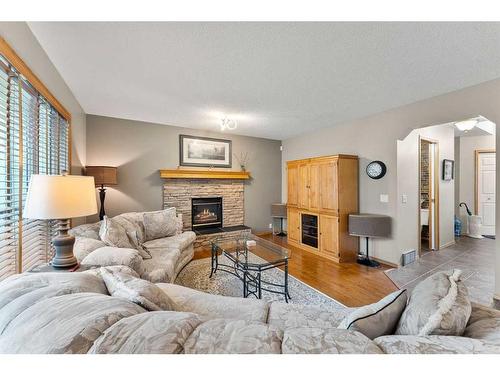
(407, 184)
(140, 150)
(374, 138)
(467, 147)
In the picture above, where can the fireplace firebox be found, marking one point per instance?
(206, 212)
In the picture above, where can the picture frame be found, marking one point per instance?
(448, 169)
(204, 152)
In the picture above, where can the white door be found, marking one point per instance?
(486, 191)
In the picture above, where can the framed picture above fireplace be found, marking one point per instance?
(204, 152)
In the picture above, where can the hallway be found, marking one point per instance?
(476, 259)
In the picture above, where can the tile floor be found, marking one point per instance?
(474, 257)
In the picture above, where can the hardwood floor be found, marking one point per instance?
(350, 283)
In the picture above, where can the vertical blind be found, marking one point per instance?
(34, 139)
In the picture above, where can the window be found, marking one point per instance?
(34, 139)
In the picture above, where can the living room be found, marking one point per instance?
(249, 187)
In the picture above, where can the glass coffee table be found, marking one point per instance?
(249, 256)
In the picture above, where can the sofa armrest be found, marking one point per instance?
(434, 344)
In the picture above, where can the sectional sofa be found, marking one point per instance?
(153, 243)
(112, 310)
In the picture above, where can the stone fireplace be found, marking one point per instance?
(212, 202)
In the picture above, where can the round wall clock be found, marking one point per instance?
(376, 169)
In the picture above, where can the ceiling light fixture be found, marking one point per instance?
(466, 125)
(228, 124)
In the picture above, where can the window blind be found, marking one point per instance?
(34, 138)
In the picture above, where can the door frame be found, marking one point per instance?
(476, 175)
(434, 213)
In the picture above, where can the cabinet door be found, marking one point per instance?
(303, 196)
(294, 225)
(314, 186)
(329, 235)
(329, 186)
(293, 184)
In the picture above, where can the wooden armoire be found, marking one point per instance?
(322, 192)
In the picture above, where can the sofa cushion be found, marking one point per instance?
(434, 344)
(215, 306)
(19, 292)
(159, 332)
(136, 290)
(378, 319)
(64, 324)
(308, 340)
(124, 269)
(487, 330)
(439, 305)
(287, 315)
(161, 267)
(179, 241)
(114, 234)
(158, 224)
(110, 256)
(84, 246)
(223, 336)
(480, 312)
(86, 230)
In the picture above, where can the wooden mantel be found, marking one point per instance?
(204, 174)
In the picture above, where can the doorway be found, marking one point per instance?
(428, 195)
(484, 202)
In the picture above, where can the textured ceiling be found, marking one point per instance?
(277, 80)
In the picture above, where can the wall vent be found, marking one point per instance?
(409, 257)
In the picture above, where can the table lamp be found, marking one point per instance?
(104, 176)
(61, 198)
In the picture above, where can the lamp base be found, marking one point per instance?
(63, 244)
(368, 262)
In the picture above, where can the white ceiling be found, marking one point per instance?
(276, 79)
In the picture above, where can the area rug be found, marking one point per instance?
(196, 276)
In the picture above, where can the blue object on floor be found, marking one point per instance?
(458, 227)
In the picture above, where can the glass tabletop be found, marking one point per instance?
(250, 249)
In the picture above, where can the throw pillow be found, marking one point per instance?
(378, 319)
(139, 291)
(439, 305)
(114, 234)
(160, 224)
(84, 246)
(86, 230)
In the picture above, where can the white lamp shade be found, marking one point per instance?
(60, 197)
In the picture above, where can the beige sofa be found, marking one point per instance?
(158, 260)
(73, 313)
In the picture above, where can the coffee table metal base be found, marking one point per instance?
(251, 275)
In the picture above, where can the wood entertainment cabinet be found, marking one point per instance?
(322, 192)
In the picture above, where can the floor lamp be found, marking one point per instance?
(369, 225)
(104, 176)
